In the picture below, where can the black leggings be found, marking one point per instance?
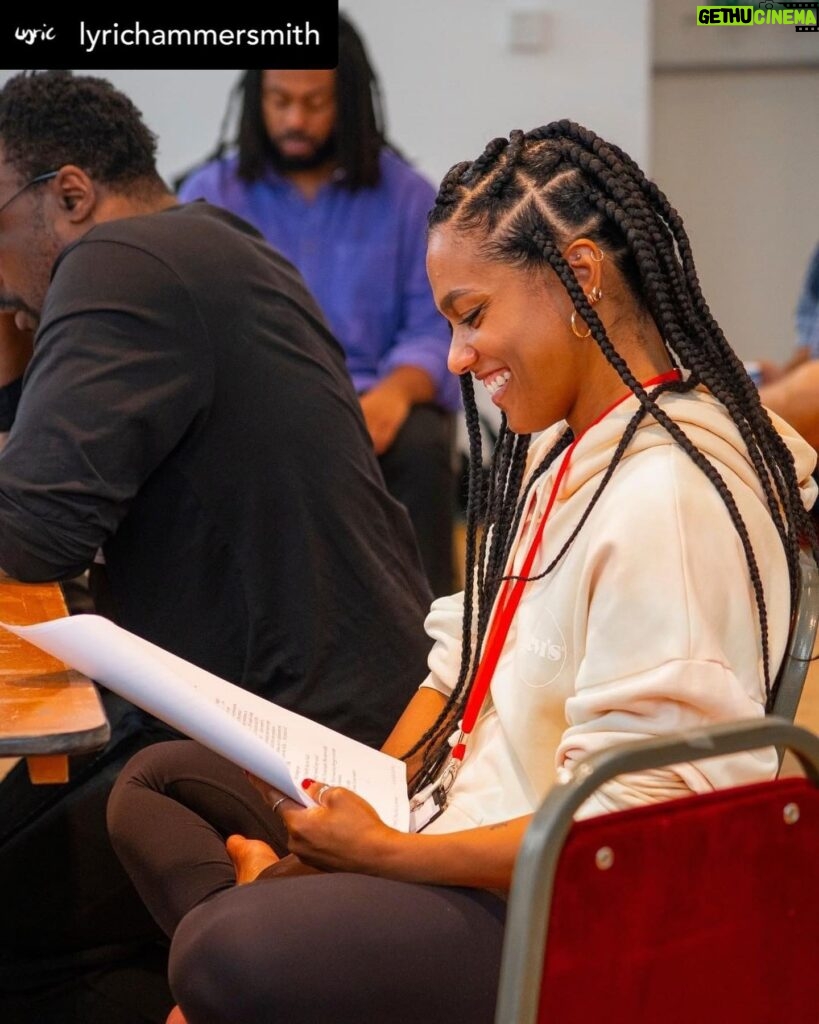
(333, 947)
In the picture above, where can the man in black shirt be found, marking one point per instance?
(186, 418)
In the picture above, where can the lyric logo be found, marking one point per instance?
(804, 16)
(289, 34)
(30, 36)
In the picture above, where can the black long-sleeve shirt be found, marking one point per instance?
(187, 411)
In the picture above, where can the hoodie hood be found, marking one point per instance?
(705, 422)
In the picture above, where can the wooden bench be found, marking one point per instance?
(47, 711)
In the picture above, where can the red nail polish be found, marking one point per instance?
(306, 783)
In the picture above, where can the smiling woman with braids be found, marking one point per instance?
(635, 577)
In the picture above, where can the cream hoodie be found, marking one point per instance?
(647, 626)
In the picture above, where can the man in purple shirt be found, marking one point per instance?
(315, 175)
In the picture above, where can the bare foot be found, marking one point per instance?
(250, 857)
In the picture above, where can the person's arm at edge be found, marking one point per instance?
(772, 373)
(796, 399)
(414, 364)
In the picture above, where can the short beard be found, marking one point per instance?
(321, 155)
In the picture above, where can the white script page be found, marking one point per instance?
(278, 745)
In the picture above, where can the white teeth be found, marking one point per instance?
(493, 384)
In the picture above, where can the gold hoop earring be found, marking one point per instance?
(575, 331)
(595, 295)
(597, 259)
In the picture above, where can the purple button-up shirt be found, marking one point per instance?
(362, 254)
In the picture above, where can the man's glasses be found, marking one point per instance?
(28, 184)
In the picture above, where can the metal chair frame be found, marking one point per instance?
(794, 668)
(527, 923)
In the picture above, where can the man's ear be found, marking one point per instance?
(76, 194)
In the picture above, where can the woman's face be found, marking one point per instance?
(511, 330)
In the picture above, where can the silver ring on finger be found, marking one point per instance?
(274, 807)
(322, 790)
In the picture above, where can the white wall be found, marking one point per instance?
(449, 79)
(749, 198)
(735, 145)
(452, 83)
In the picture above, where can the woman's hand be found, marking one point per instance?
(341, 832)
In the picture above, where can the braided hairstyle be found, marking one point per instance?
(54, 118)
(526, 198)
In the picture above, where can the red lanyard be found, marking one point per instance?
(512, 591)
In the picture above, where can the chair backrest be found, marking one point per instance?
(700, 909)
(791, 676)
